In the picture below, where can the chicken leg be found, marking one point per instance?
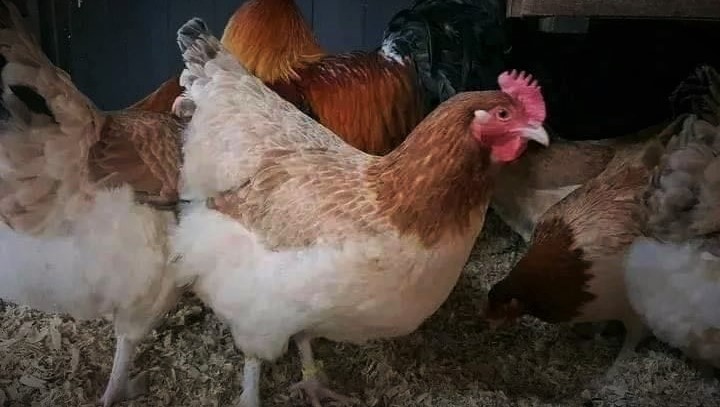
(120, 387)
(636, 332)
(250, 396)
(311, 383)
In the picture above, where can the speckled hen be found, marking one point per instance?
(292, 233)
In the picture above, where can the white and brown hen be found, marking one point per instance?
(83, 199)
(295, 234)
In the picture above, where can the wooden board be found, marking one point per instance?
(661, 9)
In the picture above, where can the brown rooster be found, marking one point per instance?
(294, 234)
(573, 270)
(269, 36)
(370, 99)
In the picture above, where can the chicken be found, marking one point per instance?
(293, 233)
(573, 270)
(84, 199)
(270, 37)
(672, 271)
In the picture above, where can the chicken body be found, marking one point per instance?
(673, 271)
(304, 236)
(75, 238)
(571, 271)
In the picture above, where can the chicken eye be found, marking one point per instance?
(503, 114)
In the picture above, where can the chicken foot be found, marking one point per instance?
(311, 383)
(120, 387)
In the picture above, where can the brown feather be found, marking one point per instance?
(371, 102)
(272, 39)
(142, 149)
(528, 187)
(161, 100)
(591, 225)
(436, 184)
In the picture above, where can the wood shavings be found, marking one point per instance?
(32, 381)
(452, 361)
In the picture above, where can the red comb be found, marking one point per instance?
(522, 87)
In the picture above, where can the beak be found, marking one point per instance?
(537, 134)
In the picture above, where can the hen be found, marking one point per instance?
(83, 197)
(292, 233)
(673, 271)
(573, 270)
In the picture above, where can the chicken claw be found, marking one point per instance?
(317, 391)
(311, 384)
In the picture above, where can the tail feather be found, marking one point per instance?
(456, 45)
(204, 56)
(46, 130)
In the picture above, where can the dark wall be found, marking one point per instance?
(118, 51)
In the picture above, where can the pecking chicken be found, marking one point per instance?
(293, 233)
(673, 271)
(573, 270)
(371, 99)
(270, 37)
(84, 199)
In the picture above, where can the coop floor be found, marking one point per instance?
(453, 360)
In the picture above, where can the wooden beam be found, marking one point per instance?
(657, 9)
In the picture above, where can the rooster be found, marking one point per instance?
(672, 271)
(293, 233)
(373, 99)
(269, 36)
(573, 270)
(84, 199)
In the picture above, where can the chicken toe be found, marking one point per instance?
(311, 384)
(316, 391)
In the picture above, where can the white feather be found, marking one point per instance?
(677, 290)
